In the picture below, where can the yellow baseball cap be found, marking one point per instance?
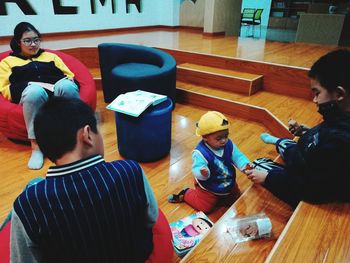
(210, 122)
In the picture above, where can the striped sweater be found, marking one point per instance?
(87, 211)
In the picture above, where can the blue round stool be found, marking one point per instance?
(145, 138)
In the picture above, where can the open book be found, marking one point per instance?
(188, 231)
(45, 85)
(135, 102)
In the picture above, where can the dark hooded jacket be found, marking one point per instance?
(316, 167)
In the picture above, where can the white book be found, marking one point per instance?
(47, 86)
(135, 102)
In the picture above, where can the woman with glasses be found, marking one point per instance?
(30, 76)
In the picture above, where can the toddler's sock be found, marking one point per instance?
(36, 161)
(267, 138)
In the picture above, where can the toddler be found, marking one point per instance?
(214, 162)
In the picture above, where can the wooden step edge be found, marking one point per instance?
(283, 234)
(256, 85)
(304, 234)
(98, 83)
(219, 74)
(235, 108)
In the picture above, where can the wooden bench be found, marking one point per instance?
(218, 246)
(315, 233)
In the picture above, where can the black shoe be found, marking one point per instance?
(177, 198)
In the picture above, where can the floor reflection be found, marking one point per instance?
(273, 34)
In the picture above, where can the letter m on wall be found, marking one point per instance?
(22, 4)
(135, 2)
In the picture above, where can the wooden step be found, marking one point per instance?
(315, 233)
(226, 79)
(237, 109)
(287, 80)
(283, 107)
(218, 246)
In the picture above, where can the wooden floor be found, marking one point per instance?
(173, 172)
(292, 54)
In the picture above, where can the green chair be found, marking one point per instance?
(252, 17)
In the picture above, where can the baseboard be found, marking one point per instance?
(6, 39)
(213, 34)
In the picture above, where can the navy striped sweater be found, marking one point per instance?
(88, 211)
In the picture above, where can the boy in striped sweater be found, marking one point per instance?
(86, 209)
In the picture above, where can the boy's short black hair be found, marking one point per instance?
(57, 123)
(332, 70)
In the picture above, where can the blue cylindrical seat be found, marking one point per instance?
(145, 138)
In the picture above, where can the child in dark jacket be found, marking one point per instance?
(213, 168)
(314, 167)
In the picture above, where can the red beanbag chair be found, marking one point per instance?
(5, 243)
(12, 123)
(163, 249)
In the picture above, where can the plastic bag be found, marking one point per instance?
(249, 227)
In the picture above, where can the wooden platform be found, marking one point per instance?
(284, 94)
(207, 84)
(290, 54)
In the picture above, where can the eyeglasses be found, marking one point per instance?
(29, 41)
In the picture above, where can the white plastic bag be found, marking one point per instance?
(249, 227)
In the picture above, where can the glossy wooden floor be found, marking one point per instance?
(174, 171)
(293, 54)
(166, 176)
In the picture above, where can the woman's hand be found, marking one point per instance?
(256, 176)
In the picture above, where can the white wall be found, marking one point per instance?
(265, 4)
(192, 14)
(154, 12)
(209, 16)
(168, 12)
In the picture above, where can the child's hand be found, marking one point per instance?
(256, 176)
(249, 166)
(204, 172)
(296, 128)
